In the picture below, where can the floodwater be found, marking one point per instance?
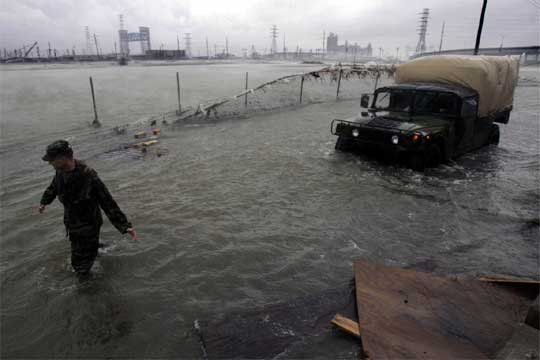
(232, 213)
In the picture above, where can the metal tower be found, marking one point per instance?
(422, 29)
(187, 40)
(274, 34)
(123, 37)
(88, 41)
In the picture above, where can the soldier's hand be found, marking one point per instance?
(133, 234)
(41, 208)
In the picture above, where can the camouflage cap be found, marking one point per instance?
(57, 148)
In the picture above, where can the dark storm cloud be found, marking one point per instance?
(384, 23)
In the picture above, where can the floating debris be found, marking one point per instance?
(140, 135)
(410, 314)
(120, 130)
(145, 144)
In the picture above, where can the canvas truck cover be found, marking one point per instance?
(493, 77)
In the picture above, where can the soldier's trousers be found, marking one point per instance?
(84, 249)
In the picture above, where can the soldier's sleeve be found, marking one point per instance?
(50, 193)
(109, 205)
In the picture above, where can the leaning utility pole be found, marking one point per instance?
(480, 25)
(97, 49)
(442, 36)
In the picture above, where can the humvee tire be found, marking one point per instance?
(429, 158)
(433, 156)
(494, 136)
(343, 144)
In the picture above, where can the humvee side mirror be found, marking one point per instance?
(364, 101)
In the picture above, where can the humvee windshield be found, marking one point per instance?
(417, 102)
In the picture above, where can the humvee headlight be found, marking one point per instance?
(415, 137)
(355, 132)
(395, 139)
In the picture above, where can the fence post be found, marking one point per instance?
(96, 121)
(301, 88)
(178, 91)
(377, 80)
(246, 90)
(339, 82)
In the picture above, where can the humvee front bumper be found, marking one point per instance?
(390, 141)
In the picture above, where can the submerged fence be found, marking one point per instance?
(329, 83)
(340, 82)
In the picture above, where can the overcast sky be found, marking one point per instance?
(385, 23)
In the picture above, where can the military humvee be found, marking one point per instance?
(423, 123)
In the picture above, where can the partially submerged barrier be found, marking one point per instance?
(233, 105)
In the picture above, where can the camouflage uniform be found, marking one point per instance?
(83, 193)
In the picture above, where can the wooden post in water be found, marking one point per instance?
(178, 91)
(339, 82)
(301, 88)
(246, 89)
(96, 121)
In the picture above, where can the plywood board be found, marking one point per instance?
(409, 314)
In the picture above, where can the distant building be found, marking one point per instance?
(165, 54)
(143, 37)
(333, 48)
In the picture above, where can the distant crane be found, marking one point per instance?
(28, 51)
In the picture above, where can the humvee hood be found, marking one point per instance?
(400, 122)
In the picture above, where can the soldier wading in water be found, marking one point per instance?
(82, 193)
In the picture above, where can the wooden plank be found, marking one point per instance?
(146, 143)
(500, 279)
(347, 325)
(140, 135)
(409, 314)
